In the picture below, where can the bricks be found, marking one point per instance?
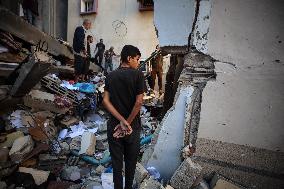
(186, 175)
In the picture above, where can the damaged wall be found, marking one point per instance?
(245, 103)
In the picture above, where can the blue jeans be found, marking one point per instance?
(108, 64)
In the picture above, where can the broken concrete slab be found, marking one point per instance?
(151, 184)
(170, 136)
(140, 173)
(10, 138)
(186, 175)
(18, 27)
(21, 147)
(38, 175)
(30, 74)
(88, 144)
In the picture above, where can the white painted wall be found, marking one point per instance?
(245, 105)
(174, 21)
(140, 27)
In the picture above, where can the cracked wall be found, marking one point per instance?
(244, 105)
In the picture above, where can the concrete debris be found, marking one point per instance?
(202, 185)
(151, 184)
(38, 175)
(100, 169)
(140, 173)
(18, 27)
(88, 143)
(220, 182)
(73, 161)
(75, 143)
(44, 129)
(69, 120)
(30, 74)
(21, 147)
(186, 153)
(94, 185)
(39, 100)
(10, 138)
(4, 154)
(186, 175)
(71, 173)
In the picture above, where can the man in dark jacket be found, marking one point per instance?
(79, 48)
(100, 53)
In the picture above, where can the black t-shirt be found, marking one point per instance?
(123, 85)
(101, 48)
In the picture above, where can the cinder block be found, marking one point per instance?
(186, 175)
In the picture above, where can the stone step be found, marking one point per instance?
(247, 166)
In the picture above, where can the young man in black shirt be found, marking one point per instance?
(100, 53)
(123, 98)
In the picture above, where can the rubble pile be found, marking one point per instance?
(58, 136)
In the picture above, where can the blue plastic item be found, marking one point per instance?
(92, 160)
(86, 87)
(146, 140)
(109, 170)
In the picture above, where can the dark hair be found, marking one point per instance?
(89, 37)
(129, 50)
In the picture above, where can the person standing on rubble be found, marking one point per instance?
(30, 10)
(80, 49)
(108, 59)
(88, 59)
(157, 70)
(123, 98)
(100, 53)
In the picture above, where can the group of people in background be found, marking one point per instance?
(123, 98)
(83, 56)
